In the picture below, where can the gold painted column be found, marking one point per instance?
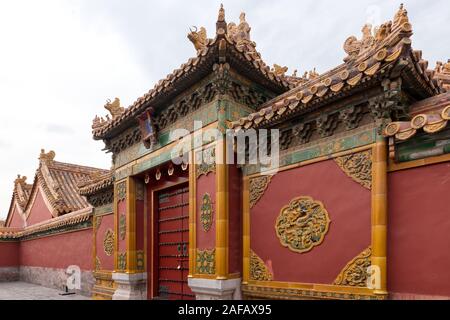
(192, 214)
(380, 212)
(222, 220)
(131, 226)
(246, 231)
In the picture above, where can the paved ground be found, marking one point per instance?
(28, 291)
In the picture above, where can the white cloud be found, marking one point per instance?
(61, 59)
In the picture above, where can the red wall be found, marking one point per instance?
(59, 251)
(419, 231)
(106, 262)
(16, 220)
(39, 211)
(9, 254)
(349, 208)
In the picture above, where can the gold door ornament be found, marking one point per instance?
(302, 225)
(258, 269)
(122, 226)
(355, 272)
(108, 242)
(358, 166)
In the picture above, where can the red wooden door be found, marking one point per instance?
(173, 244)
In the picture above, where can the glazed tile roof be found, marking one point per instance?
(241, 53)
(59, 183)
(69, 219)
(431, 115)
(388, 50)
(97, 184)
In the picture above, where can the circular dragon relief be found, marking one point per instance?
(302, 224)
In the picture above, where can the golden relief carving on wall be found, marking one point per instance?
(358, 166)
(97, 223)
(108, 242)
(206, 261)
(122, 191)
(258, 269)
(206, 160)
(355, 272)
(98, 264)
(258, 186)
(302, 225)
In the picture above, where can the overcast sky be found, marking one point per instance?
(61, 59)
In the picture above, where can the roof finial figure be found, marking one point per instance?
(221, 25)
(198, 38)
(47, 157)
(401, 17)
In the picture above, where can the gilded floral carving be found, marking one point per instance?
(97, 223)
(355, 272)
(302, 225)
(97, 264)
(121, 191)
(206, 212)
(258, 186)
(122, 261)
(358, 166)
(108, 242)
(122, 226)
(206, 261)
(140, 258)
(258, 269)
(206, 162)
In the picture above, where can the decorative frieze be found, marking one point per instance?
(258, 269)
(258, 186)
(358, 166)
(351, 116)
(206, 261)
(355, 273)
(326, 124)
(206, 215)
(302, 225)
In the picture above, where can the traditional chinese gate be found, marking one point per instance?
(173, 243)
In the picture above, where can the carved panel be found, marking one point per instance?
(121, 191)
(358, 166)
(122, 261)
(98, 265)
(206, 261)
(122, 226)
(140, 191)
(207, 162)
(257, 188)
(206, 216)
(302, 225)
(108, 242)
(355, 272)
(140, 258)
(258, 269)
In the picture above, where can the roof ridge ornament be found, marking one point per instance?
(198, 38)
(401, 17)
(221, 25)
(47, 157)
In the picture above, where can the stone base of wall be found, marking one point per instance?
(210, 289)
(9, 274)
(414, 296)
(56, 278)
